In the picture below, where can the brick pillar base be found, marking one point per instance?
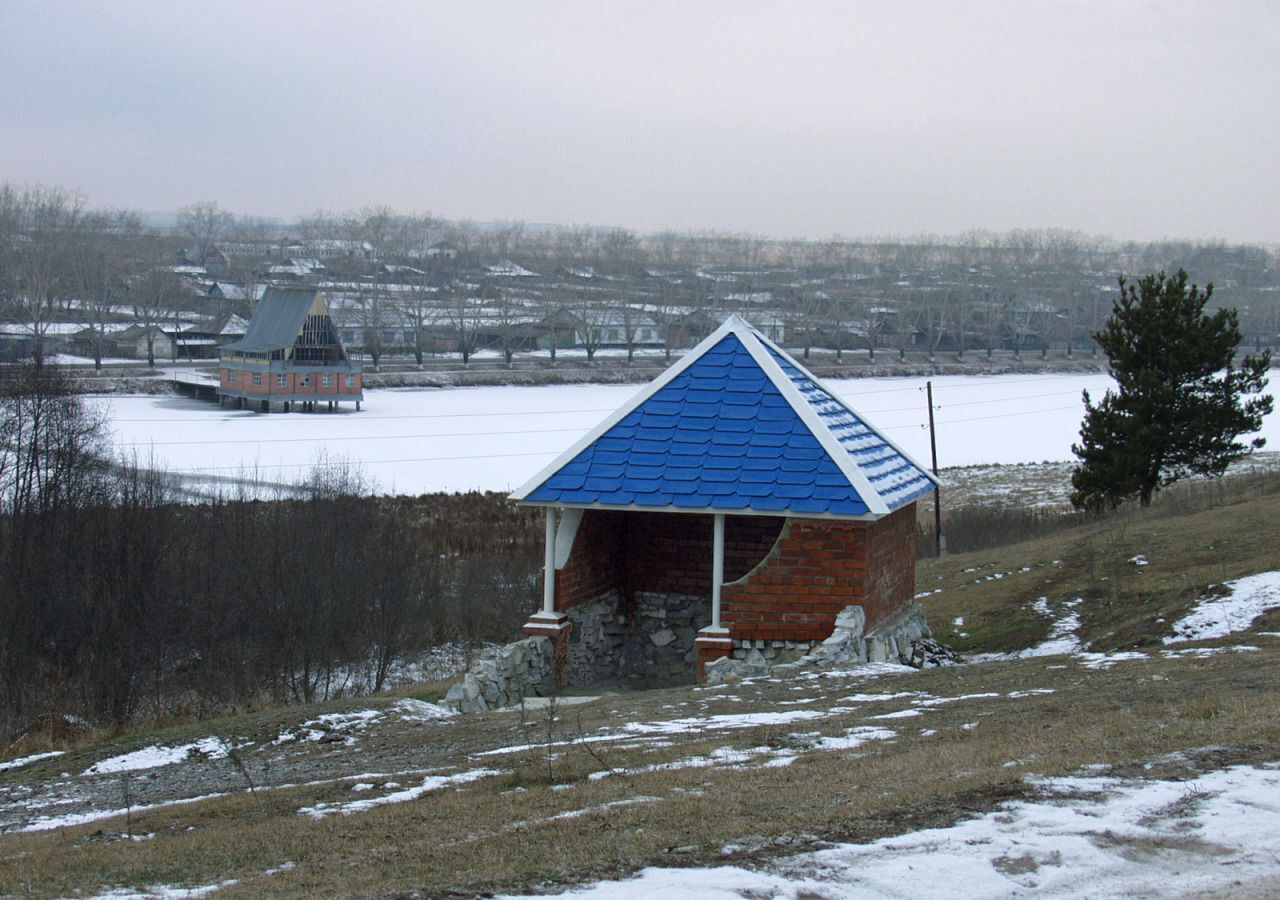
(555, 627)
(711, 644)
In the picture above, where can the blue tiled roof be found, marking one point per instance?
(723, 435)
(894, 477)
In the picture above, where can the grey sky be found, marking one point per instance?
(1134, 119)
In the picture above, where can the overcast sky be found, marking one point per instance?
(1131, 119)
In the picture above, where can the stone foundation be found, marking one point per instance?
(648, 643)
(774, 651)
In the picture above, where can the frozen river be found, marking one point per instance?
(495, 438)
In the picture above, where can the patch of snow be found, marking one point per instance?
(723, 722)
(1086, 837)
(576, 813)
(26, 760)
(544, 702)
(1107, 660)
(421, 711)
(879, 698)
(900, 714)
(1216, 617)
(1202, 652)
(48, 823)
(155, 756)
(1062, 635)
(429, 784)
(164, 892)
(463, 426)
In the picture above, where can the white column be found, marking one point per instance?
(549, 566)
(717, 569)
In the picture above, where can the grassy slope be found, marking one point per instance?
(951, 759)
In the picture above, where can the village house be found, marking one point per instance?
(734, 508)
(290, 355)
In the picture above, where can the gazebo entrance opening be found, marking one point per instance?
(636, 588)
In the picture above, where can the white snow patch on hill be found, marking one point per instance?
(1217, 617)
(154, 756)
(1086, 837)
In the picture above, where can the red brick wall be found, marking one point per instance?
(892, 572)
(781, 583)
(594, 565)
(659, 552)
(819, 567)
(270, 387)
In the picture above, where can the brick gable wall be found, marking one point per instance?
(816, 569)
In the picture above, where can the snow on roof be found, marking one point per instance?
(736, 426)
(509, 269)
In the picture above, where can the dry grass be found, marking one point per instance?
(1177, 715)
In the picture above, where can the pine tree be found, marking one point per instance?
(1179, 404)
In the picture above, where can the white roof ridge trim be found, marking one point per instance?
(734, 324)
(809, 416)
(924, 470)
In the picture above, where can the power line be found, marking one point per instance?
(354, 437)
(579, 430)
(543, 453)
(378, 418)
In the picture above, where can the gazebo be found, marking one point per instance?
(734, 504)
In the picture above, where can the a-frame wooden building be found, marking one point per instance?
(290, 356)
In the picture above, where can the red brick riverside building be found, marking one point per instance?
(733, 503)
(290, 355)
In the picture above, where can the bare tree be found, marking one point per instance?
(204, 223)
(593, 316)
(50, 224)
(419, 309)
(102, 262)
(153, 297)
(464, 314)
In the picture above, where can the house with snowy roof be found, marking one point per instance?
(733, 506)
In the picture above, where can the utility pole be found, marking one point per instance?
(939, 539)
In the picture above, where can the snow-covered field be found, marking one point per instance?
(495, 438)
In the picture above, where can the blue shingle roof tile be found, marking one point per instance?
(739, 426)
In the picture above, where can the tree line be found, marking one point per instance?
(443, 286)
(119, 602)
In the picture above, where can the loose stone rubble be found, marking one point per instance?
(609, 650)
(904, 638)
(521, 669)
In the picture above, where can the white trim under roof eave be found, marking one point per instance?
(839, 455)
(729, 326)
(706, 511)
(861, 418)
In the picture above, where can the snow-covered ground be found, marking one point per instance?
(495, 438)
(1083, 837)
(1245, 599)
